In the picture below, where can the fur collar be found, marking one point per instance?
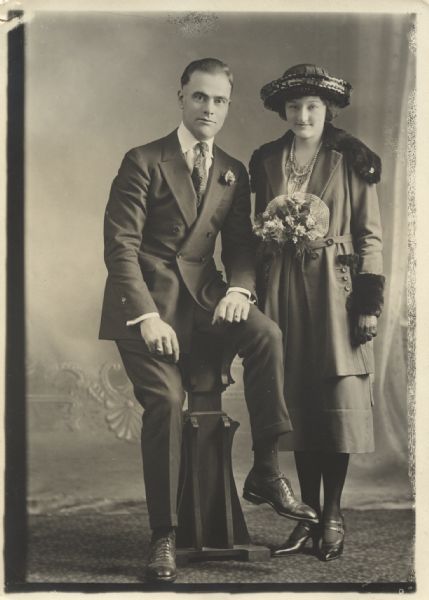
(363, 160)
(366, 164)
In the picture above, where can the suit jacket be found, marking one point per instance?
(159, 251)
(326, 279)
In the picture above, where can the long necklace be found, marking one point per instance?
(297, 176)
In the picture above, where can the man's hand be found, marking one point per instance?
(233, 308)
(365, 328)
(160, 338)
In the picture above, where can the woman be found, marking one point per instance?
(325, 292)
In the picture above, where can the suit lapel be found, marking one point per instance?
(326, 164)
(176, 173)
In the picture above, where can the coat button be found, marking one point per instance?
(343, 270)
(345, 278)
(329, 241)
(314, 255)
(123, 299)
(202, 259)
(347, 288)
(209, 233)
(179, 255)
(176, 229)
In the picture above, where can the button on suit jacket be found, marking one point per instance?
(159, 251)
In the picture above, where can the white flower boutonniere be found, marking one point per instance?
(228, 178)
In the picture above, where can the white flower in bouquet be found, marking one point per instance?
(297, 219)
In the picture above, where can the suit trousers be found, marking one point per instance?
(159, 387)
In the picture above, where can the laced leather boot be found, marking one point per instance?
(276, 491)
(161, 565)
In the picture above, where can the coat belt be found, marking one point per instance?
(329, 241)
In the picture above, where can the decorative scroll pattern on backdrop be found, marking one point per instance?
(65, 398)
(115, 393)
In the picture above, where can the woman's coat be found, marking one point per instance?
(327, 279)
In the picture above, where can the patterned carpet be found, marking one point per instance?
(108, 547)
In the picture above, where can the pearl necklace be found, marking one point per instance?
(297, 176)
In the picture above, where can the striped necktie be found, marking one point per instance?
(199, 173)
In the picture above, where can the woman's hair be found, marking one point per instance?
(332, 109)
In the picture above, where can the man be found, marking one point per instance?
(167, 204)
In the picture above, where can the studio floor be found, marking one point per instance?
(109, 546)
(88, 526)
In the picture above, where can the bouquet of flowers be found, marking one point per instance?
(300, 218)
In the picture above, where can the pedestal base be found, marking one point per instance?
(209, 510)
(247, 553)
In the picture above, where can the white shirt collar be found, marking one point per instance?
(187, 141)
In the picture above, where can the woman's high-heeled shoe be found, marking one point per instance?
(298, 539)
(332, 550)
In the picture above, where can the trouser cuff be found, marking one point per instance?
(273, 430)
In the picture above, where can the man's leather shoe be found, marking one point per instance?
(161, 565)
(276, 491)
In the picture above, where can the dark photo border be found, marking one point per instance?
(15, 516)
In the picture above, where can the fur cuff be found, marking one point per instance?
(367, 296)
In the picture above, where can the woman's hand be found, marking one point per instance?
(365, 328)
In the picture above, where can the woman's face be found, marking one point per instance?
(306, 116)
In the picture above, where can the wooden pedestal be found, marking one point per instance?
(211, 521)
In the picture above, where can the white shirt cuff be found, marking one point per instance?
(242, 291)
(142, 318)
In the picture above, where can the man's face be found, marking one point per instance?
(204, 101)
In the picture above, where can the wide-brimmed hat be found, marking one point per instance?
(305, 80)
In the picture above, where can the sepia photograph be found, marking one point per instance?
(210, 300)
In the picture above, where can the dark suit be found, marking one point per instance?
(159, 256)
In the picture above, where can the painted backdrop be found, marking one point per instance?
(99, 84)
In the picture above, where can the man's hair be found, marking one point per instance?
(207, 65)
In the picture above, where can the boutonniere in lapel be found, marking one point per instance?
(227, 178)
